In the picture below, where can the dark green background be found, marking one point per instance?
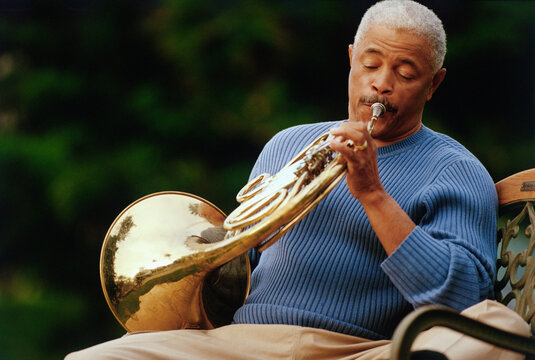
(102, 102)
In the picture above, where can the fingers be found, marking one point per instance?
(349, 127)
(362, 173)
(349, 138)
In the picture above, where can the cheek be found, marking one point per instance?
(422, 93)
(413, 99)
(356, 78)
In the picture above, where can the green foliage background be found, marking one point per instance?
(102, 102)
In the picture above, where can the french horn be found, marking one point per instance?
(172, 260)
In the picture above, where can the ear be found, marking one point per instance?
(437, 80)
(350, 50)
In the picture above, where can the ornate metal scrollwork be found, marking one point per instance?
(516, 265)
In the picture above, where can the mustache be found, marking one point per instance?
(376, 98)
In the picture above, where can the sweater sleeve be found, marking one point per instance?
(450, 257)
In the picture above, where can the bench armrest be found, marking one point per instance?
(426, 317)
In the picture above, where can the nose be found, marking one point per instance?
(383, 82)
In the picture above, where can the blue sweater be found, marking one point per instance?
(331, 272)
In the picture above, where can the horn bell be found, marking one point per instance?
(157, 266)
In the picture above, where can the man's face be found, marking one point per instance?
(392, 67)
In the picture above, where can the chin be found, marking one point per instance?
(363, 115)
(380, 127)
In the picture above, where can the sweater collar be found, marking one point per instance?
(405, 143)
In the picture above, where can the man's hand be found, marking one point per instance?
(362, 172)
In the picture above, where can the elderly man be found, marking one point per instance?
(413, 225)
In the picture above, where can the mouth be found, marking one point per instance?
(369, 101)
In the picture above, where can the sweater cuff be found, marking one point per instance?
(417, 265)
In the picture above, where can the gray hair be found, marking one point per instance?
(411, 16)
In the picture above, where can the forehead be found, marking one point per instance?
(397, 45)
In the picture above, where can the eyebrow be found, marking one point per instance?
(372, 51)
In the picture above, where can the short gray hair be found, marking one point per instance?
(411, 16)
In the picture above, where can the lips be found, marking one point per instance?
(369, 105)
(389, 107)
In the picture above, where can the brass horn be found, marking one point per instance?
(171, 260)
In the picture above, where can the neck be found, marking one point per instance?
(383, 142)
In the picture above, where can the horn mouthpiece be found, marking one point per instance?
(378, 109)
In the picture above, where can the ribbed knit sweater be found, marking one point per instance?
(331, 272)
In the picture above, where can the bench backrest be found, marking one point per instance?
(515, 280)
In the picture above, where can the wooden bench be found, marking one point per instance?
(515, 280)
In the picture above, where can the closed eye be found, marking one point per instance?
(406, 77)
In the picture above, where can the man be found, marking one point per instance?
(413, 225)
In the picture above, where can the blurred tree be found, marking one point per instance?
(490, 86)
(104, 102)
